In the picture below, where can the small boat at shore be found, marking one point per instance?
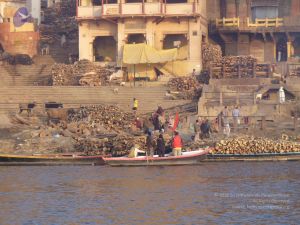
(287, 156)
(50, 159)
(187, 158)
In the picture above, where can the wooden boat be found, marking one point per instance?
(187, 158)
(287, 156)
(52, 159)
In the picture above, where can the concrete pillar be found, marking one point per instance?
(85, 42)
(194, 40)
(150, 33)
(230, 9)
(120, 42)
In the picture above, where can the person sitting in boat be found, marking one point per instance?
(177, 144)
(134, 151)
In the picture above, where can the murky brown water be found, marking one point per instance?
(211, 193)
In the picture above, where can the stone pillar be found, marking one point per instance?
(230, 8)
(85, 42)
(150, 33)
(120, 42)
(194, 40)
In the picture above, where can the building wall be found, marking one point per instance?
(18, 42)
(154, 29)
(153, 32)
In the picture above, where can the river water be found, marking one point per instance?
(209, 193)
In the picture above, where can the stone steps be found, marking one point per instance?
(149, 97)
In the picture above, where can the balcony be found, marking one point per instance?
(138, 9)
(286, 24)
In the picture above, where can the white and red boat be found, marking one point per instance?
(187, 158)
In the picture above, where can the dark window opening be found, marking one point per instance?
(175, 1)
(262, 12)
(105, 49)
(178, 41)
(136, 38)
(97, 2)
(1, 49)
(134, 1)
(281, 50)
(296, 45)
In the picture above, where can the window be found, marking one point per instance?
(262, 12)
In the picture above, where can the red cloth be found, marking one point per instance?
(177, 142)
(176, 121)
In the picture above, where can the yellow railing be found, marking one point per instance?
(228, 22)
(276, 22)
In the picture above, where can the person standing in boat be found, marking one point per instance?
(161, 146)
(177, 144)
(150, 144)
(197, 125)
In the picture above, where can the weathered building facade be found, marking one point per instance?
(105, 26)
(18, 29)
(266, 29)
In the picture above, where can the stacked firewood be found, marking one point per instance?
(295, 72)
(188, 87)
(182, 83)
(63, 74)
(232, 66)
(262, 69)
(83, 73)
(210, 54)
(255, 145)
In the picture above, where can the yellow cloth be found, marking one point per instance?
(143, 53)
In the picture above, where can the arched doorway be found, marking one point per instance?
(105, 49)
(281, 50)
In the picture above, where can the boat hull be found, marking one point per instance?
(188, 159)
(291, 156)
(50, 160)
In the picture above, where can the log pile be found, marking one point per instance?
(295, 72)
(210, 54)
(108, 116)
(83, 73)
(262, 69)
(233, 66)
(254, 145)
(188, 87)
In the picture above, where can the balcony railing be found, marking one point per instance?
(276, 22)
(236, 22)
(228, 22)
(143, 9)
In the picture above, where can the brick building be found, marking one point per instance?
(17, 39)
